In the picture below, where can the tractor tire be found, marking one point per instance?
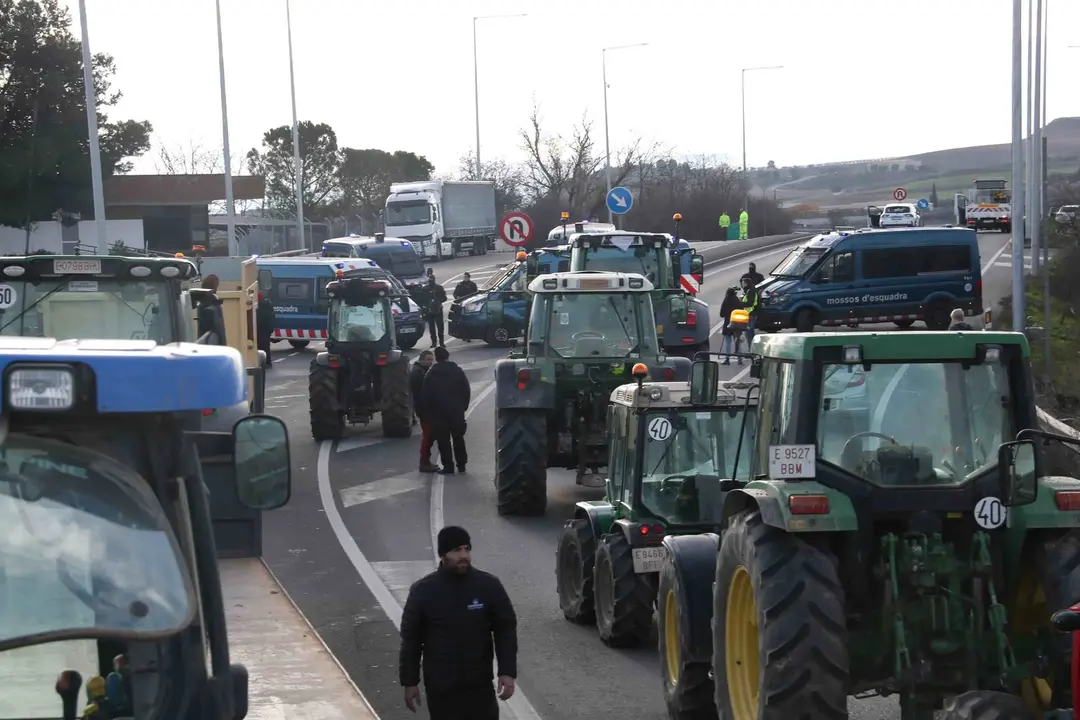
(688, 689)
(984, 705)
(397, 404)
(779, 639)
(574, 563)
(521, 461)
(624, 601)
(299, 344)
(327, 419)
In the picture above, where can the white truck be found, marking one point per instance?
(987, 207)
(442, 217)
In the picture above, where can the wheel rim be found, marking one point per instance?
(741, 647)
(605, 591)
(501, 334)
(1030, 613)
(671, 637)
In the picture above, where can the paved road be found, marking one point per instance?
(358, 532)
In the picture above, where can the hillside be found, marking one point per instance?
(952, 171)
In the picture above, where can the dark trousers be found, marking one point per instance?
(264, 345)
(451, 442)
(435, 323)
(464, 703)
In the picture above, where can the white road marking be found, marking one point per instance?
(380, 489)
(399, 575)
(995, 256)
(357, 442)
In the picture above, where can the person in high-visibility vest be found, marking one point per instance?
(744, 225)
(725, 223)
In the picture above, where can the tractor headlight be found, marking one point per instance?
(41, 389)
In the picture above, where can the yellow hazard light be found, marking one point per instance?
(179, 255)
(521, 256)
(564, 216)
(740, 316)
(677, 217)
(640, 370)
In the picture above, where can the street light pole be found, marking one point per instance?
(607, 137)
(1018, 300)
(476, 79)
(92, 132)
(742, 91)
(1035, 207)
(297, 165)
(230, 210)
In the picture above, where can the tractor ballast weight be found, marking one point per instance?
(898, 502)
(362, 371)
(101, 443)
(585, 332)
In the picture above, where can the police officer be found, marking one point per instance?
(725, 224)
(465, 288)
(451, 621)
(432, 301)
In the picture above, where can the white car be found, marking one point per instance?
(1067, 213)
(900, 215)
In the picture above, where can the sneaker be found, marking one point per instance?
(446, 471)
(428, 468)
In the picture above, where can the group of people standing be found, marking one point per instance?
(744, 224)
(745, 297)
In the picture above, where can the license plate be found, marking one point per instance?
(407, 330)
(649, 560)
(76, 267)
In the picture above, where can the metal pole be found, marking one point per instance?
(742, 104)
(1035, 206)
(92, 132)
(1029, 138)
(607, 136)
(1018, 315)
(1049, 370)
(298, 166)
(476, 96)
(230, 210)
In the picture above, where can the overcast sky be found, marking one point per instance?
(860, 79)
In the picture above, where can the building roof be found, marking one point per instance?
(179, 189)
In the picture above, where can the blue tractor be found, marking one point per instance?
(105, 516)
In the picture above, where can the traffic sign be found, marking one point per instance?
(923, 204)
(899, 194)
(516, 229)
(620, 200)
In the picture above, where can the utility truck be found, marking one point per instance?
(986, 207)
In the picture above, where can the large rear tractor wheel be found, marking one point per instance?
(624, 600)
(574, 563)
(688, 689)
(779, 641)
(985, 705)
(327, 418)
(521, 461)
(397, 403)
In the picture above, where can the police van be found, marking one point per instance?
(297, 288)
(899, 276)
(394, 254)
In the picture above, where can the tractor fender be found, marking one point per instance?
(599, 513)
(538, 393)
(694, 559)
(680, 364)
(323, 359)
(704, 322)
(772, 500)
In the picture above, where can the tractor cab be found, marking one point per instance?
(362, 371)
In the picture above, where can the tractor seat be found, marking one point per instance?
(359, 334)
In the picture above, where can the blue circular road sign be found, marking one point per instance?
(620, 200)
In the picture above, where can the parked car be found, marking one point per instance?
(900, 215)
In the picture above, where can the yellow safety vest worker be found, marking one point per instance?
(725, 221)
(744, 219)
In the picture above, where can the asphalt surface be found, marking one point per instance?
(358, 531)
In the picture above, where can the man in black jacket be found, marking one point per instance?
(465, 288)
(416, 389)
(458, 620)
(753, 275)
(210, 318)
(444, 399)
(265, 317)
(432, 301)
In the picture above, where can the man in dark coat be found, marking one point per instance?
(465, 288)
(210, 318)
(416, 389)
(265, 317)
(456, 623)
(754, 276)
(433, 298)
(444, 399)
(958, 321)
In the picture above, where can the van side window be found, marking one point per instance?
(839, 268)
(909, 262)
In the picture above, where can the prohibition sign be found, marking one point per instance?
(899, 194)
(516, 229)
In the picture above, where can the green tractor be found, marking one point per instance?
(896, 537)
(585, 332)
(674, 449)
(362, 371)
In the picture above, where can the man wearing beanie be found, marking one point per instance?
(444, 400)
(458, 620)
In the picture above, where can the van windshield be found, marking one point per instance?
(798, 263)
(338, 250)
(403, 263)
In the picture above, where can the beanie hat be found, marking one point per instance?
(451, 538)
(442, 355)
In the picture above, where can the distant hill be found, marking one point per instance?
(951, 171)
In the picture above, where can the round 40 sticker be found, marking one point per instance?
(659, 429)
(990, 513)
(8, 296)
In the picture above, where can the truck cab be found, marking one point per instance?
(443, 218)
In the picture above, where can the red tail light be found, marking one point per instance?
(669, 374)
(381, 359)
(654, 530)
(523, 378)
(208, 412)
(333, 361)
(1067, 501)
(808, 504)
(978, 287)
(691, 318)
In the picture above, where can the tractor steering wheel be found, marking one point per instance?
(868, 433)
(669, 483)
(587, 335)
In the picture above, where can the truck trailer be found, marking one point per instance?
(443, 218)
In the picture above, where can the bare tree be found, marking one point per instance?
(194, 158)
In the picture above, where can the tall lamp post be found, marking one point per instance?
(230, 209)
(607, 136)
(742, 90)
(92, 132)
(476, 78)
(297, 165)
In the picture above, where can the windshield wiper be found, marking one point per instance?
(58, 288)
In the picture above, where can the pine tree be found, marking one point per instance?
(933, 195)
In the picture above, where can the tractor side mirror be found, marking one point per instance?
(704, 382)
(261, 462)
(1018, 464)
(697, 264)
(755, 368)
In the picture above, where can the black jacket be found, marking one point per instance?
(960, 326)
(265, 317)
(416, 384)
(431, 298)
(458, 624)
(755, 277)
(445, 394)
(731, 302)
(211, 319)
(464, 289)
